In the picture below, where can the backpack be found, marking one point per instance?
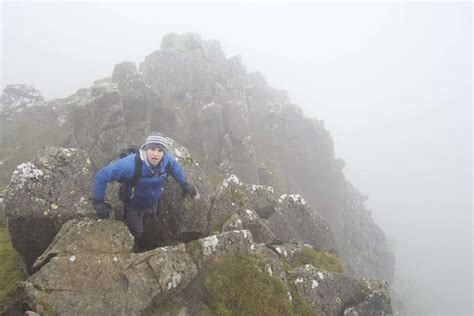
(127, 186)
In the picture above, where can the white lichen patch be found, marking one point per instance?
(282, 198)
(315, 284)
(299, 280)
(296, 198)
(232, 179)
(62, 120)
(209, 244)
(251, 214)
(54, 206)
(256, 187)
(25, 172)
(281, 251)
(174, 281)
(293, 198)
(320, 275)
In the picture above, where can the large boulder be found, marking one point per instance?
(339, 294)
(81, 236)
(43, 195)
(293, 221)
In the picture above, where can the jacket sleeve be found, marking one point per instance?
(120, 169)
(176, 171)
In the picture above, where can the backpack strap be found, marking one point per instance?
(138, 171)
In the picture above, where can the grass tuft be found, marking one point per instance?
(240, 285)
(10, 268)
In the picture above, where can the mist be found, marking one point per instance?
(392, 81)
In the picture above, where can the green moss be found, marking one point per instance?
(238, 197)
(219, 221)
(240, 285)
(319, 259)
(43, 302)
(215, 176)
(300, 306)
(10, 272)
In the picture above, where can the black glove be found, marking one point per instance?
(188, 189)
(102, 208)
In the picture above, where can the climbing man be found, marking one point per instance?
(143, 176)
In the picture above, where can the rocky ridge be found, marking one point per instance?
(233, 123)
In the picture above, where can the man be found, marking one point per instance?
(141, 198)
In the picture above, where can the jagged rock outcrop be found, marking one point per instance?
(339, 294)
(99, 275)
(231, 121)
(16, 97)
(294, 222)
(89, 269)
(43, 195)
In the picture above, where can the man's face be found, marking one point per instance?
(154, 155)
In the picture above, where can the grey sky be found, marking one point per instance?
(393, 82)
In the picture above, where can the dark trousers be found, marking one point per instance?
(137, 219)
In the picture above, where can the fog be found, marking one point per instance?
(392, 81)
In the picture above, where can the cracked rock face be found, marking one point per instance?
(83, 279)
(98, 123)
(43, 195)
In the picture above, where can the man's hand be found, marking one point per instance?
(189, 189)
(102, 208)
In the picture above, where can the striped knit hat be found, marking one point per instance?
(156, 140)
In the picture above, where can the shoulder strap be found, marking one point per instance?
(138, 170)
(168, 169)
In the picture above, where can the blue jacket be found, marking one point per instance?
(150, 186)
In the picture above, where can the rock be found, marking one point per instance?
(229, 119)
(293, 221)
(259, 229)
(88, 236)
(263, 200)
(337, 294)
(98, 124)
(138, 101)
(187, 41)
(285, 250)
(43, 195)
(235, 197)
(233, 223)
(84, 280)
(378, 302)
(17, 96)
